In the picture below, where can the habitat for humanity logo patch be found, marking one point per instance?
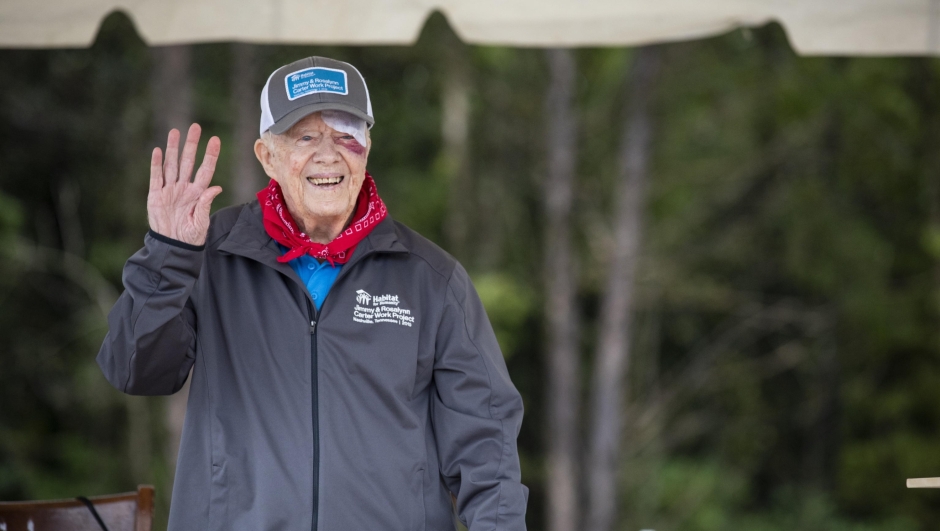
(380, 309)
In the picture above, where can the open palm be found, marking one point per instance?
(176, 207)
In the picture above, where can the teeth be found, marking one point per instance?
(325, 180)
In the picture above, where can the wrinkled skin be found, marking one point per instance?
(305, 161)
(177, 207)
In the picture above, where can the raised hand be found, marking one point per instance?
(176, 207)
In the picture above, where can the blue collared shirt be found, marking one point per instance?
(317, 276)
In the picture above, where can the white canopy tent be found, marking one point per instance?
(815, 27)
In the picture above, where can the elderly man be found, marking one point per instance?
(344, 374)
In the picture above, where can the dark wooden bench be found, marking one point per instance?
(130, 511)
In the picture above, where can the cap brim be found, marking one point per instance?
(281, 126)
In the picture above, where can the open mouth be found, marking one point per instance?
(325, 181)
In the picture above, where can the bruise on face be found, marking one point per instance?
(350, 144)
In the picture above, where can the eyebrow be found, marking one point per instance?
(303, 132)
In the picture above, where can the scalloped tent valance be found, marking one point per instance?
(815, 27)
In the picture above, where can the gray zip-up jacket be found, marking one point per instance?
(366, 415)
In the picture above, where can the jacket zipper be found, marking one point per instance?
(314, 315)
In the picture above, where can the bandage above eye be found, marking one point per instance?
(345, 122)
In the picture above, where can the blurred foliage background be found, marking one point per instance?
(785, 354)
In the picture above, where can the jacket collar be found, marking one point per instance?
(248, 238)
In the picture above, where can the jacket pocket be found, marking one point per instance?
(419, 522)
(218, 499)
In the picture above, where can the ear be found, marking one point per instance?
(265, 157)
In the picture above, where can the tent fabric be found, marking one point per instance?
(815, 27)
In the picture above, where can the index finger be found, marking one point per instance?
(207, 168)
(156, 170)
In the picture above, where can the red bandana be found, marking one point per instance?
(279, 224)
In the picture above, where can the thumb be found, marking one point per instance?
(204, 204)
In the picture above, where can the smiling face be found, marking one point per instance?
(320, 171)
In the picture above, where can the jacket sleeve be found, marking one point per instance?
(476, 413)
(151, 341)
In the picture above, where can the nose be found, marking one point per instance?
(326, 152)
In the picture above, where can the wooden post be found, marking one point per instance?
(560, 287)
(923, 483)
(609, 387)
(247, 175)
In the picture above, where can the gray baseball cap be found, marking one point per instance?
(310, 85)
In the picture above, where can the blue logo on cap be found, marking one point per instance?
(314, 80)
